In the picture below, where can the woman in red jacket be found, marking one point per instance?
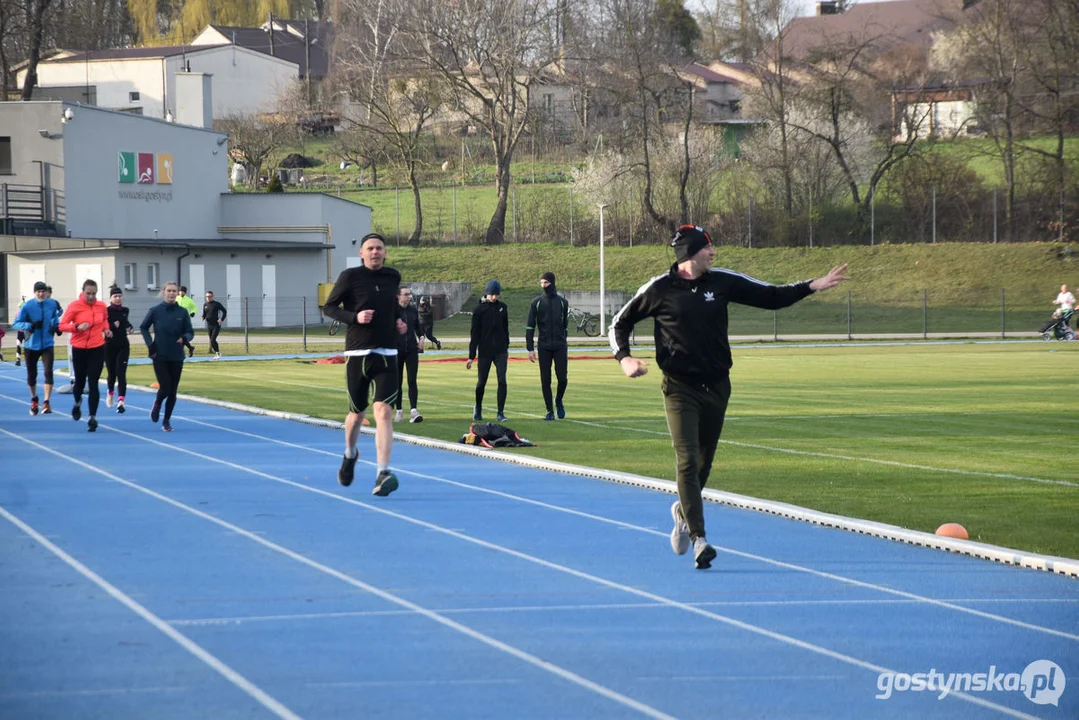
(87, 320)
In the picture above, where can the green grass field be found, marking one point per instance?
(980, 434)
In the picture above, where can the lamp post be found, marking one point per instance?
(602, 288)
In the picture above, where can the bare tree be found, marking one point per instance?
(397, 93)
(36, 12)
(488, 54)
(252, 138)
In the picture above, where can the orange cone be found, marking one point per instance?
(155, 386)
(953, 530)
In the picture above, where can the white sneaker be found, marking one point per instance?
(108, 400)
(217, 356)
(703, 553)
(414, 416)
(399, 416)
(680, 533)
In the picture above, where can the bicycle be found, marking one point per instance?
(587, 323)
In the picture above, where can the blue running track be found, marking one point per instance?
(220, 572)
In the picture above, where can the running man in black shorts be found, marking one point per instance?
(365, 300)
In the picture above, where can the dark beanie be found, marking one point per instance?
(114, 290)
(689, 240)
(493, 288)
(548, 276)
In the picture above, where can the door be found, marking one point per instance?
(84, 272)
(28, 275)
(269, 296)
(234, 301)
(196, 287)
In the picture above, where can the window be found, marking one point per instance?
(153, 274)
(5, 156)
(130, 277)
(548, 103)
(133, 96)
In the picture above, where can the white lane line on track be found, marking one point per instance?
(604, 607)
(651, 531)
(644, 709)
(756, 446)
(176, 636)
(269, 702)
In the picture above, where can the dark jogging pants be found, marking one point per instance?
(407, 364)
(483, 371)
(116, 357)
(213, 330)
(87, 364)
(560, 359)
(168, 377)
(695, 413)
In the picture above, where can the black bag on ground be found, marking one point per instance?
(493, 435)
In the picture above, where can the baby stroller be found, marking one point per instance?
(1058, 328)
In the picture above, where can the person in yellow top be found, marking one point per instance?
(188, 304)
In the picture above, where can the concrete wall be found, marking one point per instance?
(65, 272)
(297, 217)
(33, 156)
(99, 205)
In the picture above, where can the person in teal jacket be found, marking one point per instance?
(39, 320)
(172, 328)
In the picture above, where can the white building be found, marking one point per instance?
(143, 80)
(94, 193)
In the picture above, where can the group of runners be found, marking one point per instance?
(688, 304)
(98, 340)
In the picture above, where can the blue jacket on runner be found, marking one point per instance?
(170, 323)
(38, 319)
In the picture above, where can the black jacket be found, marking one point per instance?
(490, 330)
(691, 319)
(214, 311)
(409, 342)
(361, 289)
(549, 314)
(170, 322)
(119, 324)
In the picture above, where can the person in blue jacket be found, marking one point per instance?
(172, 328)
(39, 320)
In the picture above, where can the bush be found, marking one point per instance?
(275, 185)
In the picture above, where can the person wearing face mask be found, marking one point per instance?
(117, 349)
(87, 323)
(689, 306)
(38, 319)
(548, 315)
(172, 327)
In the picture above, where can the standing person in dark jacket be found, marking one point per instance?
(117, 349)
(86, 321)
(38, 319)
(549, 314)
(427, 321)
(689, 306)
(490, 341)
(408, 356)
(172, 326)
(213, 314)
(364, 299)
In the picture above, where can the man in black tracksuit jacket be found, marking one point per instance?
(490, 341)
(408, 356)
(689, 307)
(365, 300)
(549, 314)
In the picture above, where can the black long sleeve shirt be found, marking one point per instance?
(490, 335)
(691, 318)
(119, 323)
(409, 341)
(214, 312)
(549, 314)
(358, 289)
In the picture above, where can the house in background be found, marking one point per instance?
(142, 81)
(307, 43)
(138, 201)
(718, 96)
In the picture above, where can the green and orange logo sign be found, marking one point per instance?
(145, 168)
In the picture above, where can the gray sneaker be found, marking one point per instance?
(385, 483)
(703, 553)
(680, 533)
